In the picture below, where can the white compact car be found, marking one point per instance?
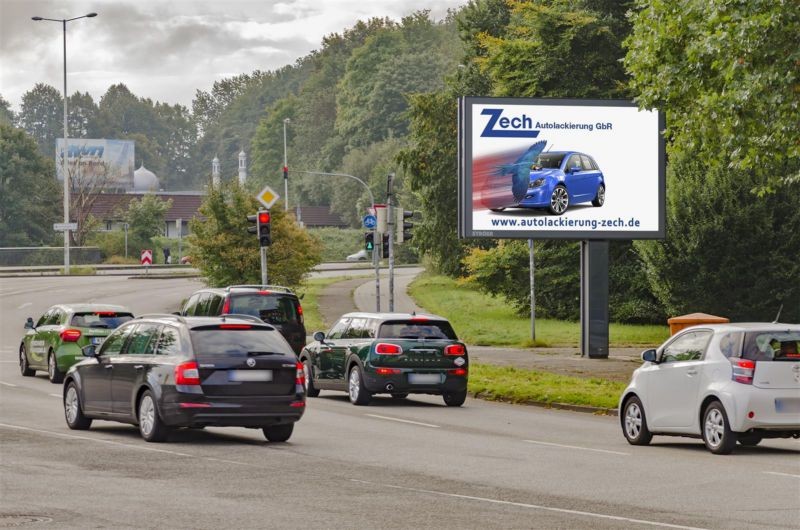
(722, 382)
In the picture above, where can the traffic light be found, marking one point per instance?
(253, 219)
(385, 248)
(403, 226)
(264, 236)
(369, 241)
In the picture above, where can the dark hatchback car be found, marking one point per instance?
(388, 353)
(273, 304)
(161, 372)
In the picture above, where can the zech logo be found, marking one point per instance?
(500, 126)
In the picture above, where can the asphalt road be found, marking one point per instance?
(416, 464)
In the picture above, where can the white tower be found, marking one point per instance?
(242, 168)
(215, 175)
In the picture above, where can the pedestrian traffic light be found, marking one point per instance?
(369, 241)
(385, 248)
(404, 227)
(264, 236)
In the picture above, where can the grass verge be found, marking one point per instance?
(514, 385)
(484, 320)
(76, 270)
(311, 290)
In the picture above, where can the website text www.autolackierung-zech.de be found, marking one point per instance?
(563, 222)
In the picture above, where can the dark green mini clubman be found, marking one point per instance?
(388, 353)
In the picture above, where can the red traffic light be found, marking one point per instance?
(263, 217)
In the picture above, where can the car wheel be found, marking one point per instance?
(455, 399)
(72, 410)
(53, 373)
(749, 440)
(400, 396)
(24, 368)
(559, 200)
(359, 395)
(278, 433)
(634, 423)
(717, 433)
(151, 426)
(310, 390)
(600, 198)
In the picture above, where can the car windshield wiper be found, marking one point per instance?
(255, 353)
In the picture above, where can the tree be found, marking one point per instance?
(145, 217)
(6, 114)
(81, 115)
(227, 254)
(42, 117)
(30, 200)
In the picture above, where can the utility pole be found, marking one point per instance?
(533, 295)
(285, 170)
(390, 222)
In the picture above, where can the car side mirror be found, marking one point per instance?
(650, 356)
(89, 350)
(29, 324)
(319, 336)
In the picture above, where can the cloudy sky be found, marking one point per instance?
(165, 50)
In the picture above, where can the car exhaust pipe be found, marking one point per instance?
(389, 387)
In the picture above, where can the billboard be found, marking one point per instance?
(96, 163)
(560, 169)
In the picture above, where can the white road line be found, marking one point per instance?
(26, 304)
(12, 362)
(7, 384)
(781, 474)
(229, 461)
(576, 447)
(402, 421)
(59, 396)
(532, 506)
(110, 442)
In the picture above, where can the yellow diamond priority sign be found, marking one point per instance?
(267, 197)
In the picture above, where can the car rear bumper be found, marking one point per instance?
(245, 411)
(400, 384)
(762, 408)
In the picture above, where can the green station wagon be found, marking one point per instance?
(54, 342)
(388, 353)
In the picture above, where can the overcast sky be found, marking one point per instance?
(165, 50)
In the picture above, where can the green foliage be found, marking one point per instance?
(145, 217)
(6, 114)
(726, 72)
(30, 198)
(337, 243)
(112, 243)
(730, 252)
(227, 254)
(42, 117)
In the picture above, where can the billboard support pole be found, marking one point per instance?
(533, 296)
(594, 299)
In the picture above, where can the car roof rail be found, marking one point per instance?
(261, 287)
(163, 315)
(241, 316)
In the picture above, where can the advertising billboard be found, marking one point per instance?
(560, 169)
(97, 163)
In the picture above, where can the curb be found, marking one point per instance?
(599, 411)
(161, 276)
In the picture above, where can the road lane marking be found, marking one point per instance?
(576, 447)
(7, 384)
(59, 396)
(402, 421)
(8, 351)
(532, 506)
(781, 474)
(26, 304)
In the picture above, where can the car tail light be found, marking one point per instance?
(106, 313)
(194, 405)
(387, 371)
(70, 335)
(419, 319)
(187, 374)
(455, 349)
(226, 307)
(383, 348)
(300, 313)
(458, 371)
(297, 404)
(264, 292)
(235, 326)
(743, 370)
(300, 375)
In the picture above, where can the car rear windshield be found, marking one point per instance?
(412, 329)
(771, 346)
(546, 161)
(275, 309)
(234, 342)
(99, 319)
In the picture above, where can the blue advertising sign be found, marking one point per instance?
(370, 221)
(97, 162)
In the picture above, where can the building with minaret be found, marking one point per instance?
(215, 173)
(242, 168)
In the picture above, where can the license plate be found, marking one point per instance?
(787, 405)
(424, 379)
(97, 341)
(249, 375)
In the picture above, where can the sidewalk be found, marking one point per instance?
(358, 294)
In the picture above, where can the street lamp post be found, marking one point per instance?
(66, 136)
(285, 169)
(375, 254)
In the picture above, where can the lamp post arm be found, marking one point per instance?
(371, 197)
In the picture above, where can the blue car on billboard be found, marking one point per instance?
(554, 180)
